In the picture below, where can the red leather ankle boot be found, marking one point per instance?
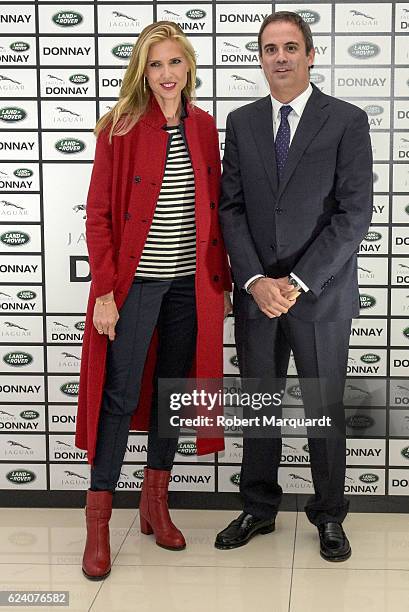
(154, 512)
(96, 562)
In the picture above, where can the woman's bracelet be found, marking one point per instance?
(103, 303)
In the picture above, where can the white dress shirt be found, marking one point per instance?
(298, 105)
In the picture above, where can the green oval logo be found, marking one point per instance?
(235, 479)
(70, 145)
(78, 79)
(310, 17)
(198, 83)
(29, 415)
(359, 421)
(70, 388)
(234, 361)
(364, 50)
(14, 238)
(405, 452)
(317, 78)
(370, 358)
(20, 476)
(12, 114)
(373, 236)
(375, 177)
(407, 209)
(306, 448)
(19, 46)
(373, 109)
(80, 325)
(252, 45)
(366, 301)
(406, 332)
(195, 14)
(138, 474)
(67, 19)
(294, 391)
(123, 50)
(18, 359)
(23, 172)
(369, 478)
(26, 295)
(187, 448)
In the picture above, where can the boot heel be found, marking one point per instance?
(145, 526)
(267, 529)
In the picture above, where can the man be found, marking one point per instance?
(296, 202)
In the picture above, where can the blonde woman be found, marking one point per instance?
(160, 278)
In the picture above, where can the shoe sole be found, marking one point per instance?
(171, 547)
(337, 559)
(95, 578)
(263, 531)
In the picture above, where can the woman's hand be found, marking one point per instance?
(105, 315)
(228, 306)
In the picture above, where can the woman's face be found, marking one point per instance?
(166, 69)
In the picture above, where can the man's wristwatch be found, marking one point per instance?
(295, 284)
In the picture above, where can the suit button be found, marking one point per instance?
(215, 278)
(214, 241)
(273, 247)
(137, 179)
(279, 211)
(127, 216)
(212, 205)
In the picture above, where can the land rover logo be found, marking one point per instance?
(317, 78)
(19, 46)
(407, 210)
(369, 478)
(405, 452)
(122, 51)
(373, 236)
(187, 447)
(20, 476)
(17, 359)
(373, 109)
(80, 325)
(406, 332)
(375, 177)
(67, 18)
(70, 145)
(23, 173)
(198, 83)
(138, 474)
(364, 50)
(306, 448)
(359, 421)
(308, 16)
(14, 238)
(26, 295)
(370, 358)
(12, 114)
(195, 14)
(234, 361)
(252, 45)
(70, 388)
(366, 301)
(235, 479)
(79, 79)
(29, 415)
(294, 391)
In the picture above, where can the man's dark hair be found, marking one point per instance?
(290, 17)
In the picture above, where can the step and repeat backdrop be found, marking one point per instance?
(61, 66)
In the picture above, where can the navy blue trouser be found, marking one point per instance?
(171, 306)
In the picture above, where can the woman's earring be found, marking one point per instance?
(145, 83)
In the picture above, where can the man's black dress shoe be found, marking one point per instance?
(334, 545)
(241, 530)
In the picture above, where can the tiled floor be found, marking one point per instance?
(41, 549)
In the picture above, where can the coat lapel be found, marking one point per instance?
(312, 120)
(262, 124)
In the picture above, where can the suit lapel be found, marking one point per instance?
(262, 124)
(312, 120)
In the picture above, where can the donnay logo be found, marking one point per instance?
(235, 479)
(70, 388)
(19, 46)
(369, 478)
(20, 476)
(405, 452)
(29, 415)
(364, 50)
(123, 50)
(12, 114)
(67, 19)
(309, 16)
(373, 109)
(195, 14)
(14, 238)
(70, 145)
(23, 173)
(18, 359)
(359, 421)
(373, 236)
(27, 295)
(367, 301)
(79, 79)
(370, 358)
(138, 474)
(187, 448)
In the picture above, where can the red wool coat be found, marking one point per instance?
(125, 183)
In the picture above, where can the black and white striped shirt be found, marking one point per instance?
(170, 247)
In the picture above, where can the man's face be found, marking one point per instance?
(284, 59)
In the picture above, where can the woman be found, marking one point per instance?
(157, 258)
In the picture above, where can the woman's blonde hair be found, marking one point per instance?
(135, 92)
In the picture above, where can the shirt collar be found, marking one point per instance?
(298, 104)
